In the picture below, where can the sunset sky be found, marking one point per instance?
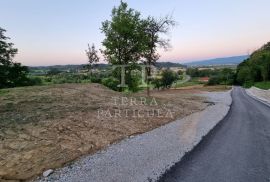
(50, 32)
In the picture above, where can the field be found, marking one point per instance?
(45, 127)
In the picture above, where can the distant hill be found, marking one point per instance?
(168, 65)
(219, 61)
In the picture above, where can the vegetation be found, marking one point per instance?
(192, 82)
(152, 29)
(256, 68)
(263, 85)
(130, 39)
(167, 78)
(12, 74)
(223, 76)
(93, 58)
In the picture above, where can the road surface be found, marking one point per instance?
(237, 150)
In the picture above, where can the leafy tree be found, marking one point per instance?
(123, 39)
(129, 38)
(11, 74)
(244, 75)
(92, 57)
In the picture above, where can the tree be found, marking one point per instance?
(92, 57)
(153, 28)
(244, 75)
(11, 74)
(256, 68)
(123, 39)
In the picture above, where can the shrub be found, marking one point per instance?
(214, 80)
(34, 81)
(111, 83)
(168, 77)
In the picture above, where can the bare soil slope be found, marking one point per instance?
(47, 126)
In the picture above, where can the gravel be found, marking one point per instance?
(259, 94)
(147, 156)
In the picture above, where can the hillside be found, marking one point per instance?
(256, 68)
(218, 61)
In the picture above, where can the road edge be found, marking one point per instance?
(267, 103)
(208, 134)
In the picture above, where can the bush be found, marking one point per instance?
(157, 83)
(111, 83)
(96, 79)
(214, 80)
(34, 81)
(168, 77)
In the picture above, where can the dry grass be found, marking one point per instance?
(48, 126)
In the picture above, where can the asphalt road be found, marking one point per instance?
(236, 150)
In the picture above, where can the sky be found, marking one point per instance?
(50, 32)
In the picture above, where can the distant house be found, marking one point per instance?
(203, 79)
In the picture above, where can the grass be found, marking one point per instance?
(192, 82)
(3, 91)
(263, 85)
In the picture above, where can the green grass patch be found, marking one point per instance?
(192, 82)
(263, 85)
(3, 91)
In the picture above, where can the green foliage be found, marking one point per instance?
(11, 74)
(168, 77)
(214, 80)
(69, 78)
(256, 68)
(35, 80)
(195, 72)
(263, 85)
(122, 36)
(129, 39)
(54, 71)
(189, 83)
(123, 40)
(111, 83)
(224, 76)
(157, 82)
